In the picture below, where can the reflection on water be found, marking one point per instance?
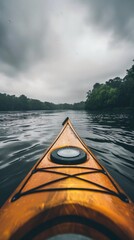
(24, 136)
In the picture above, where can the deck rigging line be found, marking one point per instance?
(103, 190)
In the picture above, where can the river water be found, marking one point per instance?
(24, 136)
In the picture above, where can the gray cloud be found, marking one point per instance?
(55, 50)
(23, 33)
(116, 16)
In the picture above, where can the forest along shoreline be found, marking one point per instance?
(114, 93)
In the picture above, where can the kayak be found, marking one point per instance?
(68, 194)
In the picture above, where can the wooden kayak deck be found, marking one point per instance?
(60, 198)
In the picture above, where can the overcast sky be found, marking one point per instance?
(56, 50)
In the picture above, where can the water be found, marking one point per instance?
(24, 136)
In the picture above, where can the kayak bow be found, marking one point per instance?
(67, 192)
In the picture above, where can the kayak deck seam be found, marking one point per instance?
(66, 176)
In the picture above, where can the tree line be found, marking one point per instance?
(13, 103)
(115, 93)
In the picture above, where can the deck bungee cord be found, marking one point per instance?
(38, 189)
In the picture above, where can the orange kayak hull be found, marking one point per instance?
(67, 198)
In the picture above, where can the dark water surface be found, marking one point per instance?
(24, 136)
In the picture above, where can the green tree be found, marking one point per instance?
(116, 92)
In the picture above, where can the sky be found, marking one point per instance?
(56, 50)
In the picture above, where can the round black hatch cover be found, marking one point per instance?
(68, 155)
